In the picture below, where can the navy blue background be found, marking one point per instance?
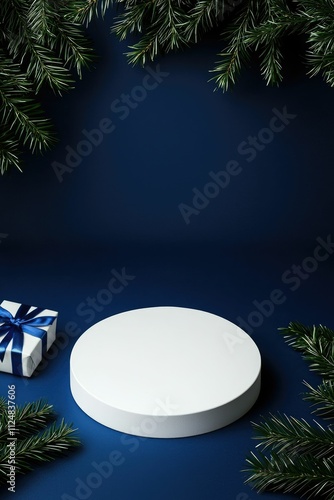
(119, 208)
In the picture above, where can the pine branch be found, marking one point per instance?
(132, 20)
(33, 46)
(35, 30)
(317, 345)
(166, 19)
(40, 19)
(35, 441)
(301, 456)
(42, 41)
(45, 67)
(265, 38)
(19, 110)
(251, 25)
(313, 18)
(83, 11)
(259, 27)
(8, 151)
(271, 62)
(322, 62)
(289, 435)
(301, 475)
(236, 54)
(322, 397)
(3, 406)
(146, 48)
(29, 419)
(73, 47)
(52, 28)
(165, 25)
(39, 44)
(205, 15)
(47, 446)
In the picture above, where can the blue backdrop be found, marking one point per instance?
(203, 199)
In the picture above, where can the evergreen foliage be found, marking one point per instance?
(40, 46)
(245, 25)
(39, 437)
(43, 45)
(301, 455)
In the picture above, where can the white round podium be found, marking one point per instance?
(165, 372)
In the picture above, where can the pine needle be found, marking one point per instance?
(40, 45)
(293, 436)
(301, 455)
(36, 440)
(246, 25)
(303, 475)
(316, 344)
(322, 397)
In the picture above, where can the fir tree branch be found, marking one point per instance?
(29, 419)
(264, 33)
(73, 48)
(316, 344)
(266, 37)
(301, 475)
(44, 447)
(83, 11)
(146, 48)
(205, 15)
(36, 440)
(271, 62)
(45, 67)
(3, 407)
(301, 456)
(40, 19)
(33, 46)
(166, 19)
(41, 41)
(253, 25)
(39, 44)
(9, 147)
(64, 37)
(289, 435)
(322, 397)
(132, 20)
(19, 110)
(165, 25)
(236, 54)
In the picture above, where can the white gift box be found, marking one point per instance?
(42, 325)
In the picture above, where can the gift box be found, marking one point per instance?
(26, 333)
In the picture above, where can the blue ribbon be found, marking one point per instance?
(14, 327)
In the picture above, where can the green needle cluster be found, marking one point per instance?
(301, 455)
(39, 437)
(245, 26)
(43, 45)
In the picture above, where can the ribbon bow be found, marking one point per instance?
(14, 327)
